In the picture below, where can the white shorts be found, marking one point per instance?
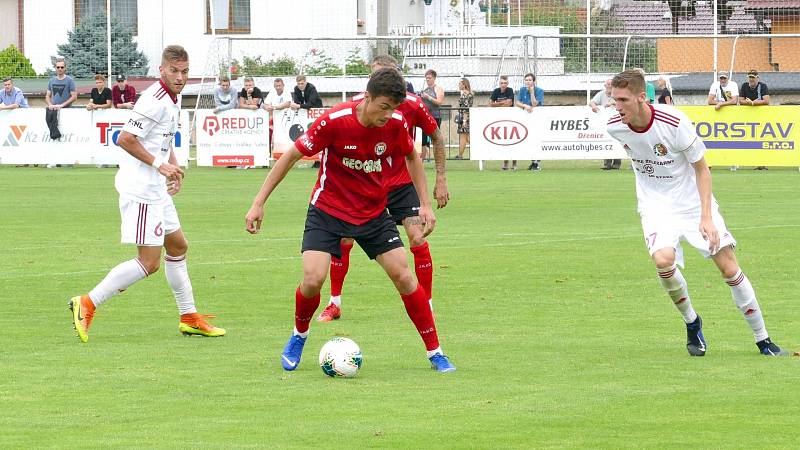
(145, 224)
(666, 231)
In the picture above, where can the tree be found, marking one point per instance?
(14, 64)
(86, 49)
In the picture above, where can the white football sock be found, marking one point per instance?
(435, 351)
(178, 279)
(744, 296)
(336, 300)
(297, 333)
(117, 280)
(673, 282)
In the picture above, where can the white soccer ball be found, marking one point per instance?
(340, 357)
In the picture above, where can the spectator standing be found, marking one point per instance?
(101, 95)
(278, 99)
(250, 96)
(530, 96)
(433, 97)
(651, 92)
(723, 92)
(123, 95)
(11, 97)
(466, 99)
(503, 97)
(665, 96)
(602, 101)
(305, 95)
(754, 92)
(223, 96)
(61, 93)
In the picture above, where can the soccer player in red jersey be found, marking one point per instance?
(403, 202)
(358, 141)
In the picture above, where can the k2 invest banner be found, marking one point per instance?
(548, 132)
(236, 137)
(748, 135)
(87, 137)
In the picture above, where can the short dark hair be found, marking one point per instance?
(174, 53)
(387, 83)
(529, 75)
(431, 72)
(633, 79)
(385, 61)
(7, 79)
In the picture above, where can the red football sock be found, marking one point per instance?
(339, 269)
(423, 266)
(304, 309)
(419, 310)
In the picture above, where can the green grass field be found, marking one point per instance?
(545, 297)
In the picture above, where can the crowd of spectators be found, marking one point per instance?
(62, 92)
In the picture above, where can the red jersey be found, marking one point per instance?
(354, 161)
(417, 115)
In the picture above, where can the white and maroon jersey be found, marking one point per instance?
(154, 121)
(417, 115)
(662, 154)
(354, 159)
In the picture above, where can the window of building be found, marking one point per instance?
(124, 11)
(230, 16)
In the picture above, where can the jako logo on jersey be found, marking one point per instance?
(660, 150)
(368, 166)
(380, 148)
(109, 132)
(505, 132)
(13, 137)
(351, 147)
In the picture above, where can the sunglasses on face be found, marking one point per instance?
(60, 67)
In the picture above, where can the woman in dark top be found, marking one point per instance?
(101, 95)
(666, 95)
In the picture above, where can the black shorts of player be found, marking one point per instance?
(403, 202)
(426, 139)
(324, 232)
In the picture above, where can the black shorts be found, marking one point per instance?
(403, 202)
(324, 232)
(426, 139)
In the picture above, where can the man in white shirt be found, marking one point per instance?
(723, 92)
(673, 188)
(602, 102)
(276, 103)
(147, 179)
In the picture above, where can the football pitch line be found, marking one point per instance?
(15, 276)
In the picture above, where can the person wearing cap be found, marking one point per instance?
(123, 95)
(754, 92)
(723, 92)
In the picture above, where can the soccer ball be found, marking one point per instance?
(340, 357)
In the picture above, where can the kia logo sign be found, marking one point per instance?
(505, 132)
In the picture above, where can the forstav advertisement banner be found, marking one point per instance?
(236, 137)
(547, 133)
(748, 135)
(87, 137)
